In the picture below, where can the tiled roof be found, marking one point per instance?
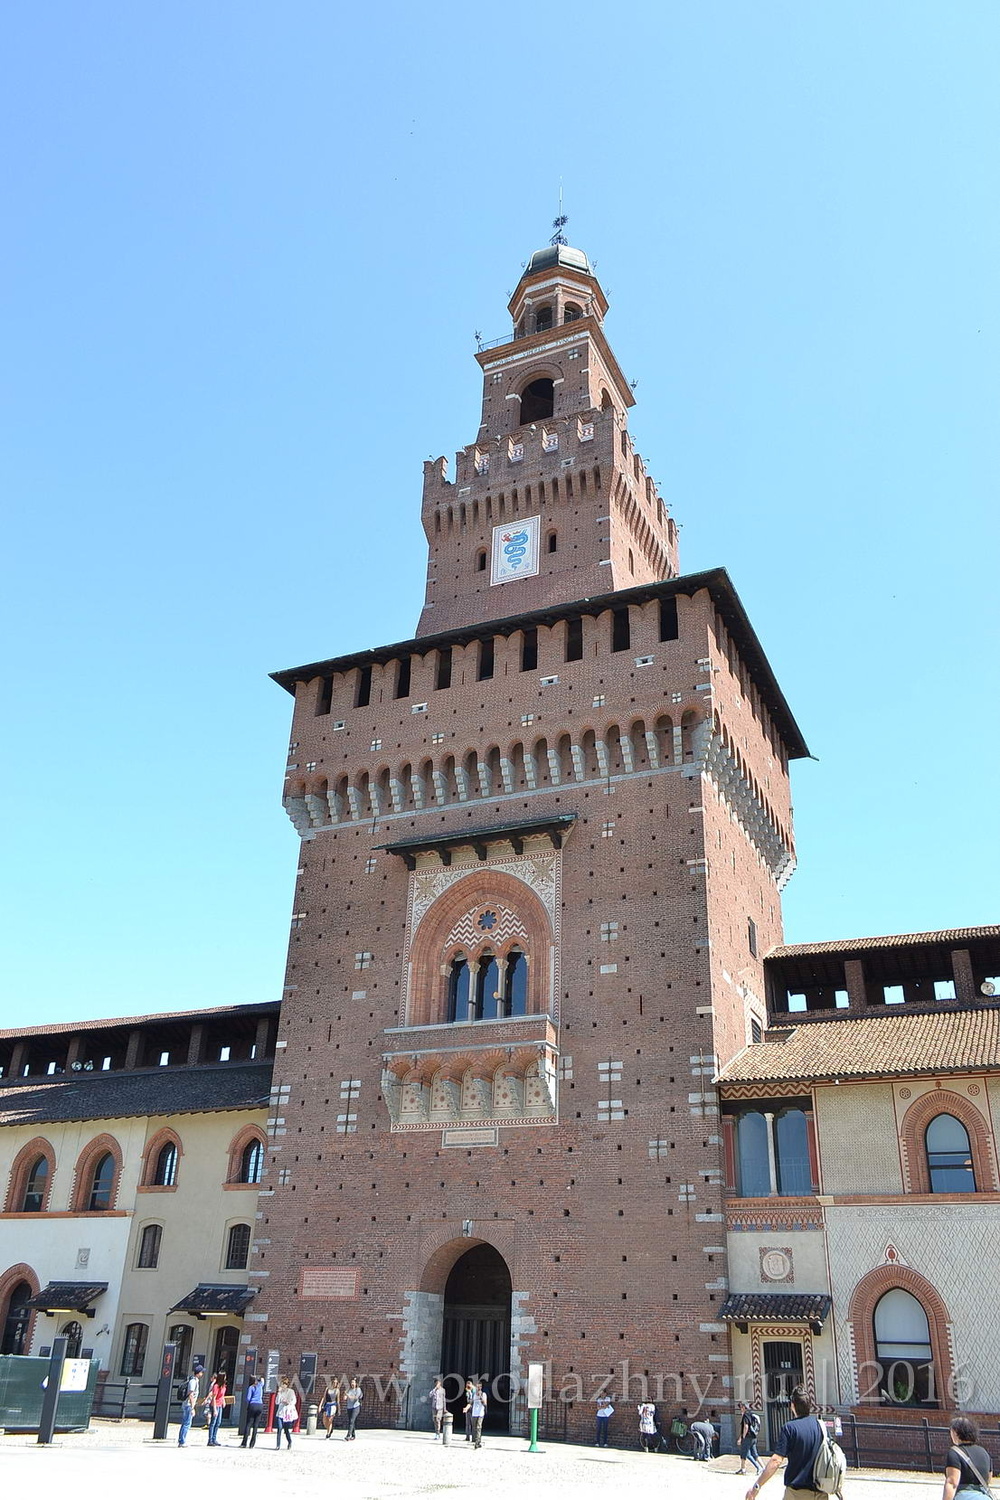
(207, 1298)
(781, 1307)
(892, 940)
(939, 1041)
(68, 1296)
(161, 1091)
(213, 1013)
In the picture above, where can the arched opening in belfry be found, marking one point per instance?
(537, 401)
(475, 1341)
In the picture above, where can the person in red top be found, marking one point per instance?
(215, 1405)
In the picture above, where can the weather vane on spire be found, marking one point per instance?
(559, 224)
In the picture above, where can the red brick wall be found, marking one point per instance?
(611, 1239)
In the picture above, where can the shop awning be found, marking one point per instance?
(208, 1301)
(68, 1296)
(742, 1308)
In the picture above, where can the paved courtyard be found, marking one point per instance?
(114, 1460)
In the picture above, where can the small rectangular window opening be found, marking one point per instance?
(529, 650)
(403, 677)
(443, 679)
(621, 634)
(574, 639)
(485, 660)
(364, 693)
(324, 698)
(668, 619)
(752, 936)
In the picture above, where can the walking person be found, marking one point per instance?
(254, 1412)
(747, 1437)
(477, 1407)
(467, 1396)
(215, 1405)
(439, 1405)
(192, 1394)
(331, 1405)
(352, 1405)
(286, 1410)
(605, 1411)
(799, 1441)
(967, 1465)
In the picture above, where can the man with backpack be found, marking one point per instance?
(749, 1429)
(814, 1463)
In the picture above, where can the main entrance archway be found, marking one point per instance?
(475, 1335)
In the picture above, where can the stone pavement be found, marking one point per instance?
(115, 1460)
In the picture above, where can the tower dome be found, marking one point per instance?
(558, 255)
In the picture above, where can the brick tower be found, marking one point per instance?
(543, 844)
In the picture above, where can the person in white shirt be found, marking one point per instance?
(286, 1410)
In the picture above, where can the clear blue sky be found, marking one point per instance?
(246, 249)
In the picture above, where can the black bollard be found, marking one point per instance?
(50, 1400)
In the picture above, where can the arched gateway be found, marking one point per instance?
(459, 1327)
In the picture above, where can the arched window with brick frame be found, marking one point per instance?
(913, 1140)
(17, 1320)
(98, 1171)
(30, 1181)
(882, 1329)
(161, 1160)
(246, 1157)
(485, 947)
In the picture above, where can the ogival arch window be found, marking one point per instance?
(35, 1187)
(31, 1178)
(903, 1349)
(483, 952)
(246, 1157)
(165, 1167)
(949, 1156)
(102, 1183)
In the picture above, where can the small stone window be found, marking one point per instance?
(134, 1349)
(238, 1247)
(149, 1247)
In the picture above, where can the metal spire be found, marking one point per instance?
(559, 223)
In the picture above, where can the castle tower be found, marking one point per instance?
(542, 849)
(552, 494)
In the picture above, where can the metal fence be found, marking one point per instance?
(902, 1445)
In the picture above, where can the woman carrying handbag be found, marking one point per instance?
(967, 1466)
